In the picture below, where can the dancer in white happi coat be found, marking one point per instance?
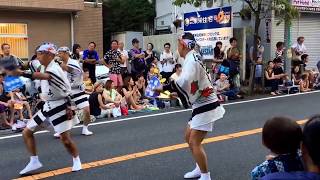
(55, 89)
(75, 77)
(194, 88)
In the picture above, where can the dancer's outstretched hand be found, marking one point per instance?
(173, 95)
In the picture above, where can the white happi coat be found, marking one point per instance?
(195, 89)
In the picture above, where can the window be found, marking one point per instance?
(17, 36)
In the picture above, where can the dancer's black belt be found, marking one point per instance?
(205, 108)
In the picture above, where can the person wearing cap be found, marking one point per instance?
(55, 89)
(75, 77)
(194, 88)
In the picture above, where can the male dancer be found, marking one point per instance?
(195, 88)
(55, 88)
(75, 77)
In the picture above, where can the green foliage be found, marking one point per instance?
(127, 15)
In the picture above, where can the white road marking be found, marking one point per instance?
(166, 113)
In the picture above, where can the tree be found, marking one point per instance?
(126, 15)
(260, 10)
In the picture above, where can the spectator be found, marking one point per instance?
(87, 82)
(176, 72)
(9, 62)
(197, 49)
(278, 70)
(280, 50)
(125, 57)
(296, 75)
(259, 62)
(138, 65)
(154, 69)
(113, 58)
(304, 83)
(111, 95)
(90, 58)
(5, 103)
(218, 59)
(20, 103)
(131, 93)
(223, 87)
(310, 148)
(167, 62)
(76, 52)
(141, 85)
(298, 49)
(271, 79)
(150, 55)
(282, 136)
(97, 106)
(233, 55)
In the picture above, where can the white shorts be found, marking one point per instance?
(80, 99)
(206, 127)
(53, 112)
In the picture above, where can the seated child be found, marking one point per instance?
(282, 136)
(223, 87)
(304, 83)
(87, 82)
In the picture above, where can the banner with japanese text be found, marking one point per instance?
(209, 27)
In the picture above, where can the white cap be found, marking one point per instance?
(48, 47)
(64, 49)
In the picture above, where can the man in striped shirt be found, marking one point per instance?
(55, 89)
(75, 77)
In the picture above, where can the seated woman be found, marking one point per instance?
(176, 72)
(5, 103)
(97, 106)
(141, 85)
(296, 75)
(131, 93)
(271, 79)
(112, 96)
(304, 83)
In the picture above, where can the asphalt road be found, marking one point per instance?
(228, 159)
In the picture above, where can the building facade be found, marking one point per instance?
(25, 24)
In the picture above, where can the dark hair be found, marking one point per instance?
(85, 70)
(134, 41)
(188, 36)
(311, 138)
(282, 135)
(108, 84)
(126, 82)
(4, 44)
(114, 41)
(304, 57)
(292, 70)
(177, 66)
(139, 75)
(304, 76)
(75, 47)
(279, 44)
(150, 44)
(277, 60)
(232, 39)
(259, 38)
(270, 62)
(218, 43)
(167, 44)
(299, 38)
(95, 45)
